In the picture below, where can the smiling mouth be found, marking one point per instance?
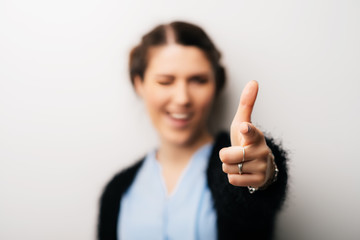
(180, 116)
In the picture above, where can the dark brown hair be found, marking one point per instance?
(186, 34)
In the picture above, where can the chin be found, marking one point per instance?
(182, 139)
(178, 139)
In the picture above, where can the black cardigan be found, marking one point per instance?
(239, 214)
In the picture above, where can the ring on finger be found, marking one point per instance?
(240, 166)
(243, 150)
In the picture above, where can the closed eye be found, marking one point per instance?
(164, 82)
(199, 79)
(164, 79)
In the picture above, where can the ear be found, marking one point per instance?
(139, 85)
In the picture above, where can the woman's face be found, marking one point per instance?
(178, 90)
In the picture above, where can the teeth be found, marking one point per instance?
(179, 116)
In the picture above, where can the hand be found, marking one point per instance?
(258, 164)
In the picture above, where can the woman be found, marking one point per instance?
(194, 185)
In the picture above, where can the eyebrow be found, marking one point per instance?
(199, 74)
(202, 74)
(164, 75)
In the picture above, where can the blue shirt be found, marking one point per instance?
(147, 212)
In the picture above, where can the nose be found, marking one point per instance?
(181, 94)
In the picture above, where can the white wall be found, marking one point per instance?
(69, 118)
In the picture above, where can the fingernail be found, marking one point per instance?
(249, 128)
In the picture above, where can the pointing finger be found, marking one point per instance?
(247, 102)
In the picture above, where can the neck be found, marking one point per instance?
(179, 155)
(175, 157)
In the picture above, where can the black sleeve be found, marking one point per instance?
(110, 202)
(268, 202)
(240, 213)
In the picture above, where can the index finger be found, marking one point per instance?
(247, 102)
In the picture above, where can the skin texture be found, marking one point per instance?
(178, 90)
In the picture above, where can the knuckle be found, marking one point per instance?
(262, 167)
(265, 156)
(261, 134)
(265, 153)
(261, 179)
(271, 155)
(269, 152)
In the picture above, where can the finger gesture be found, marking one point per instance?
(249, 161)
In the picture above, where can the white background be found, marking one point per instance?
(69, 118)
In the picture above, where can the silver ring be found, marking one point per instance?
(243, 160)
(240, 166)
